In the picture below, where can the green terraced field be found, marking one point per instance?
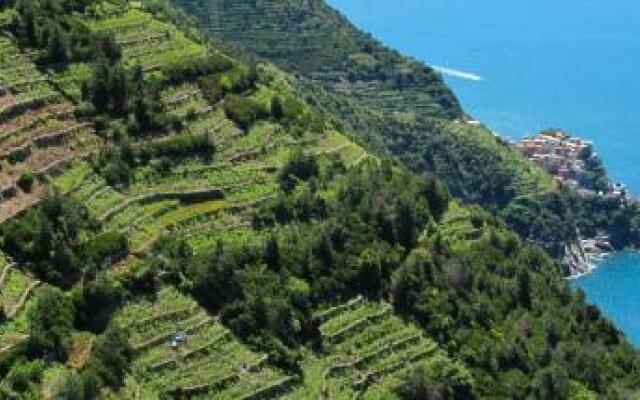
(338, 49)
(73, 177)
(366, 348)
(38, 130)
(147, 41)
(14, 284)
(243, 167)
(210, 363)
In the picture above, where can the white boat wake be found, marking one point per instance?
(458, 74)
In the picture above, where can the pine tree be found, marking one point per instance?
(99, 87)
(523, 287)
(272, 253)
(57, 44)
(277, 108)
(119, 90)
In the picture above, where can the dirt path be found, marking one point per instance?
(359, 160)
(25, 295)
(5, 273)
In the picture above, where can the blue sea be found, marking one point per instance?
(523, 66)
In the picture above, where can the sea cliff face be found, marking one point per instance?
(575, 261)
(581, 255)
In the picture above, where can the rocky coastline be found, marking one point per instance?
(581, 256)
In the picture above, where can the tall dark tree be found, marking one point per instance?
(272, 253)
(406, 224)
(57, 44)
(50, 324)
(523, 288)
(277, 108)
(119, 89)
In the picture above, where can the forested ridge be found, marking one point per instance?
(178, 222)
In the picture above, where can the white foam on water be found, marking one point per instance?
(458, 74)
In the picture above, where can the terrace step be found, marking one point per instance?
(23, 298)
(26, 104)
(164, 336)
(217, 385)
(171, 101)
(357, 324)
(155, 214)
(183, 195)
(373, 376)
(15, 85)
(134, 39)
(41, 116)
(191, 353)
(220, 383)
(10, 342)
(333, 311)
(5, 273)
(57, 138)
(362, 361)
(393, 346)
(273, 389)
(162, 316)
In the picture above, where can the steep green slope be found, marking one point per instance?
(311, 38)
(224, 238)
(391, 102)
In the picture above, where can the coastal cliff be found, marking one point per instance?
(575, 261)
(580, 256)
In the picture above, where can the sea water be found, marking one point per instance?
(614, 287)
(523, 66)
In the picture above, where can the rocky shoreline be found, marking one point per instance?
(580, 256)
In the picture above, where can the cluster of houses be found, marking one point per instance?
(565, 157)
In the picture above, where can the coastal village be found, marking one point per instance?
(572, 161)
(566, 158)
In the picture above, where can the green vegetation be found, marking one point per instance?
(38, 130)
(367, 349)
(402, 108)
(344, 59)
(50, 236)
(208, 243)
(207, 362)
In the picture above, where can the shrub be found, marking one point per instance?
(203, 66)
(299, 167)
(49, 237)
(25, 182)
(50, 324)
(277, 108)
(105, 247)
(438, 378)
(244, 111)
(110, 358)
(95, 302)
(177, 146)
(117, 173)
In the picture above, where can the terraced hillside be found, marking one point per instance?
(38, 131)
(146, 41)
(208, 362)
(188, 198)
(207, 245)
(401, 107)
(17, 289)
(367, 348)
(200, 198)
(343, 59)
